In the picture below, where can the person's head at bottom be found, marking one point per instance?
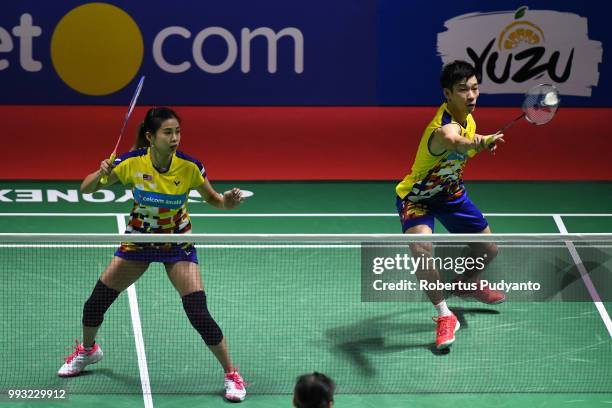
(314, 390)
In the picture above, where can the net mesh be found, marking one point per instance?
(541, 104)
(289, 306)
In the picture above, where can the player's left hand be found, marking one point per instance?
(232, 198)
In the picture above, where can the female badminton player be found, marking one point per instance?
(434, 190)
(161, 178)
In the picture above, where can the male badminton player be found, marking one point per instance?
(161, 178)
(434, 190)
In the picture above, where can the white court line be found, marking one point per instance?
(272, 215)
(274, 246)
(138, 338)
(61, 214)
(547, 215)
(585, 276)
(205, 246)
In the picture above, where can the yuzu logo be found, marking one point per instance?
(520, 32)
(516, 50)
(97, 48)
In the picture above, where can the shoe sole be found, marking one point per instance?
(236, 399)
(448, 343)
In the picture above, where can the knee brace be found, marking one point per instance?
(197, 312)
(98, 303)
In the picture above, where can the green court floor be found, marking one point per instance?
(537, 354)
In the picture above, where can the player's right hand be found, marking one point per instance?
(105, 168)
(491, 141)
(480, 142)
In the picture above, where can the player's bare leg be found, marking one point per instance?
(186, 278)
(447, 322)
(118, 275)
(486, 252)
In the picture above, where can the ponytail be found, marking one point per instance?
(141, 138)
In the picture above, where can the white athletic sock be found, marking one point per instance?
(443, 309)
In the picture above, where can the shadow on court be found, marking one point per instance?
(359, 341)
(568, 281)
(128, 384)
(462, 312)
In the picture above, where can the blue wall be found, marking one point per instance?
(356, 52)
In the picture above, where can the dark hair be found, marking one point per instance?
(314, 390)
(455, 72)
(151, 123)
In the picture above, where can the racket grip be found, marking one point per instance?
(104, 179)
(492, 140)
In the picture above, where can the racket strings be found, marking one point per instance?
(541, 104)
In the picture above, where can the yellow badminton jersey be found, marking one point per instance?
(442, 174)
(160, 199)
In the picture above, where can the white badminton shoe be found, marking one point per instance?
(76, 362)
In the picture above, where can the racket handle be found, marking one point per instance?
(509, 124)
(472, 152)
(104, 179)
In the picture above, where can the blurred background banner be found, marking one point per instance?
(350, 82)
(513, 47)
(193, 53)
(344, 52)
